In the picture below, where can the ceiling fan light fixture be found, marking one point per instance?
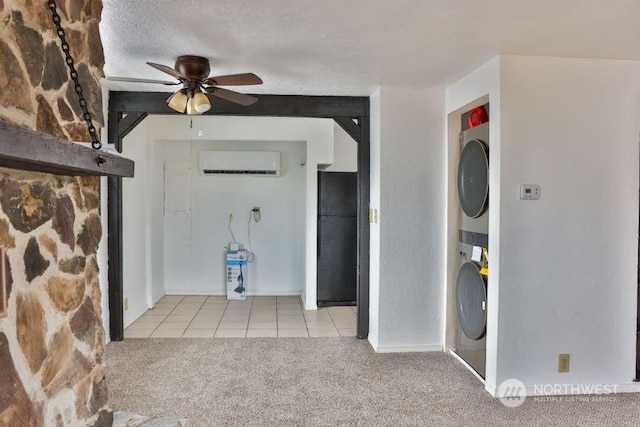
(192, 72)
(201, 102)
(178, 101)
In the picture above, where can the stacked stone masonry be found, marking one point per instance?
(52, 370)
(35, 89)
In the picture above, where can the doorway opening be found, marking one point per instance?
(128, 109)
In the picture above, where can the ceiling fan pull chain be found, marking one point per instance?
(86, 115)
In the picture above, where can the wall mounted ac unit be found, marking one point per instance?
(263, 163)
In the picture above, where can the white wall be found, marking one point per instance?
(278, 240)
(136, 228)
(407, 256)
(567, 266)
(345, 152)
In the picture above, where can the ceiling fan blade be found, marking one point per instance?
(234, 80)
(229, 95)
(178, 75)
(135, 80)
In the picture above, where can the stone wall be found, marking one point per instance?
(52, 370)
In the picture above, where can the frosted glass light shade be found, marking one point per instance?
(178, 101)
(201, 102)
(190, 107)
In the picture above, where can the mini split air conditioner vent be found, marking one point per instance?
(259, 163)
(237, 172)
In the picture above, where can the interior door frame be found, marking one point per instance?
(637, 378)
(351, 113)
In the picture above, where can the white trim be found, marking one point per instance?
(218, 294)
(422, 348)
(274, 294)
(473, 371)
(134, 317)
(156, 301)
(373, 341)
(628, 387)
(491, 389)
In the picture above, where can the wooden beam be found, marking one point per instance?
(342, 107)
(267, 105)
(129, 122)
(22, 148)
(364, 183)
(114, 250)
(349, 127)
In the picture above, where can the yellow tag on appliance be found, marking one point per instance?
(484, 269)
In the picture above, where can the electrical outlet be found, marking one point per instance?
(256, 214)
(564, 360)
(126, 304)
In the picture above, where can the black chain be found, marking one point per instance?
(95, 142)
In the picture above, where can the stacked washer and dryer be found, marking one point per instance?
(473, 239)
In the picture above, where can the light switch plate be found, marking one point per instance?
(373, 216)
(529, 192)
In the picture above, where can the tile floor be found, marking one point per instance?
(213, 316)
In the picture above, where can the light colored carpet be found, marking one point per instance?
(323, 382)
(128, 419)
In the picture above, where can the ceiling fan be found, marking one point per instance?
(192, 73)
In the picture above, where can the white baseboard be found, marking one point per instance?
(224, 294)
(491, 389)
(373, 341)
(419, 348)
(157, 299)
(629, 387)
(185, 292)
(275, 294)
(133, 317)
(473, 371)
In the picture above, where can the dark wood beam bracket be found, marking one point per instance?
(127, 123)
(25, 149)
(349, 127)
(326, 107)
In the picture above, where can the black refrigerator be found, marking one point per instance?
(337, 238)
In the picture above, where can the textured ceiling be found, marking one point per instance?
(340, 47)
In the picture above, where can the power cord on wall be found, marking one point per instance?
(253, 214)
(233, 238)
